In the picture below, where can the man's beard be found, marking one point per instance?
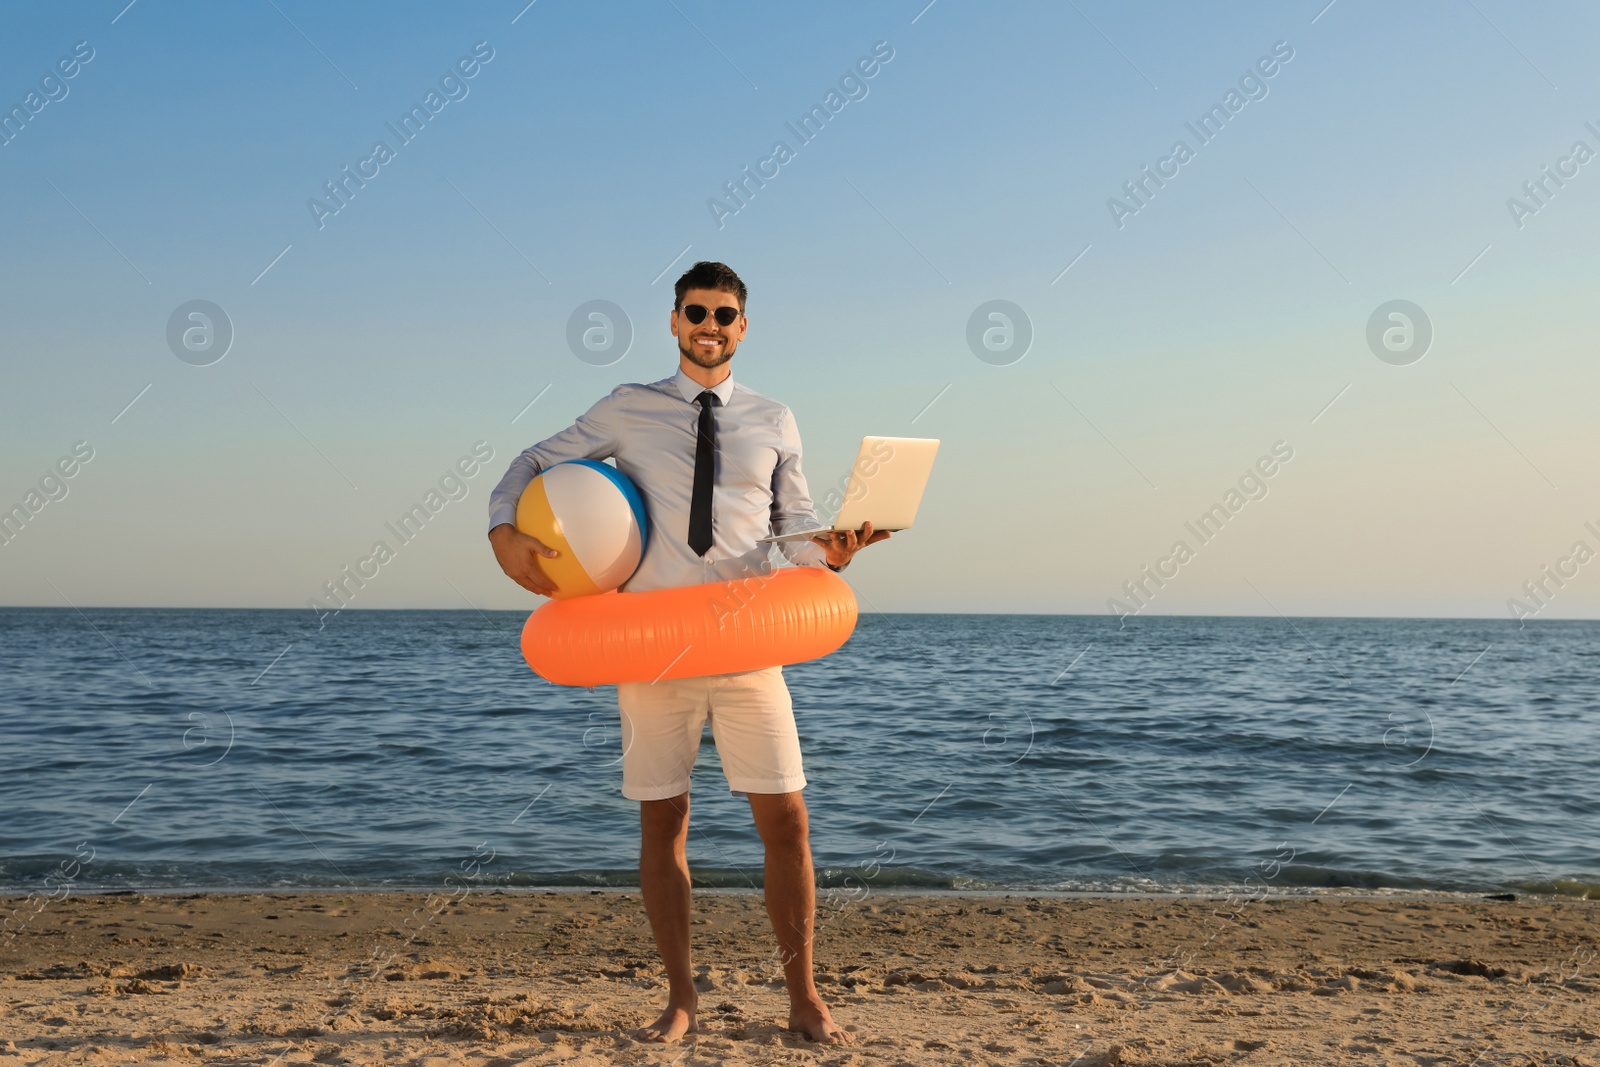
(700, 359)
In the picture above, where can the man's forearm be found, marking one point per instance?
(504, 496)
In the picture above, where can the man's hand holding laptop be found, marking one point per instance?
(885, 482)
(841, 545)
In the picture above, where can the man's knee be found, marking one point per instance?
(664, 821)
(780, 818)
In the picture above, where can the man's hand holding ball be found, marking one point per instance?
(519, 554)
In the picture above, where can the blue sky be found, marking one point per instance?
(372, 352)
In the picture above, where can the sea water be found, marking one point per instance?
(154, 749)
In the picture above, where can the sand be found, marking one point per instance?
(500, 978)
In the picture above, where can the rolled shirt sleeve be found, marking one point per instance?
(792, 508)
(593, 436)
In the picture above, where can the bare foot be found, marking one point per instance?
(673, 1024)
(811, 1018)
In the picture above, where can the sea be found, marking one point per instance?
(153, 750)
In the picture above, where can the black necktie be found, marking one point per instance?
(705, 446)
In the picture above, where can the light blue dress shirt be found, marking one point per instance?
(650, 431)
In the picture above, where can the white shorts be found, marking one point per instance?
(752, 721)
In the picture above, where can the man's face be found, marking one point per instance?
(707, 343)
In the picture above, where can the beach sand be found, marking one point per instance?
(502, 978)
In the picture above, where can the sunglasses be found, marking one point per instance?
(696, 313)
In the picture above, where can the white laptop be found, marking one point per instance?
(885, 487)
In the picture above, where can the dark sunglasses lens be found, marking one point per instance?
(696, 313)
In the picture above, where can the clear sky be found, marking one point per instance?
(1201, 322)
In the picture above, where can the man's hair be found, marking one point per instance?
(707, 274)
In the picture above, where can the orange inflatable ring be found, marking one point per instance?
(791, 615)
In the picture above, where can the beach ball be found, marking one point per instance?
(592, 515)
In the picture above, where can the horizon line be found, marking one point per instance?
(1004, 614)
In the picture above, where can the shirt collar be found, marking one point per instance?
(691, 389)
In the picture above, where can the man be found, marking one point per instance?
(719, 466)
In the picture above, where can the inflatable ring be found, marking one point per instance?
(790, 615)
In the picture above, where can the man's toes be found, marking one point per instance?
(665, 1030)
(824, 1032)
